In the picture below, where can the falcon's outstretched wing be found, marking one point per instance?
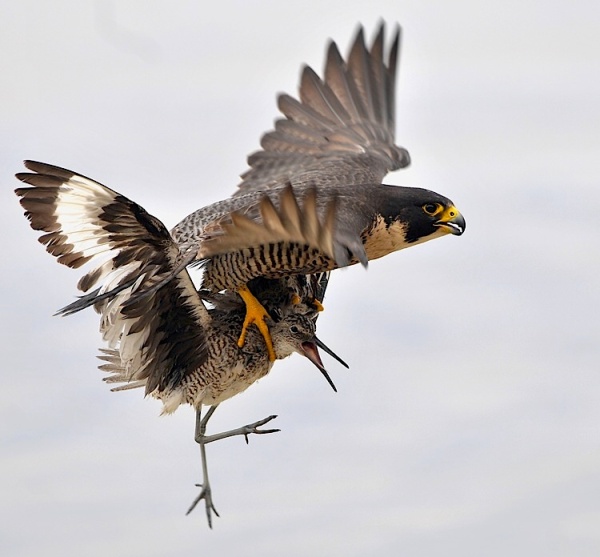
(341, 131)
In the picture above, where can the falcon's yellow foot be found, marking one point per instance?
(318, 305)
(257, 314)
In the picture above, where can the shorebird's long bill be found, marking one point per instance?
(312, 353)
(330, 352)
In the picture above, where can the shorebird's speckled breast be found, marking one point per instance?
(228, 371)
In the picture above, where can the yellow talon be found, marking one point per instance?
(257, 314)
(296, 299)
(318, 305)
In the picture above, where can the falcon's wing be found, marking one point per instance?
(283, 219)
(154, 339)
(341, 131)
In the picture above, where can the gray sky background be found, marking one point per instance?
(469, 422)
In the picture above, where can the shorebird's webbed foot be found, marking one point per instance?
(257, 314)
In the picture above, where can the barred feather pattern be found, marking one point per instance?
(233, 269)
(288, 238)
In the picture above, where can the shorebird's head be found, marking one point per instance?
(296, 333)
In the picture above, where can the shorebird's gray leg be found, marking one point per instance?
(202, 439)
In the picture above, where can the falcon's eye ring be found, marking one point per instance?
(432, 208)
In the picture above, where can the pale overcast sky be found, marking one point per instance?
(469, 422)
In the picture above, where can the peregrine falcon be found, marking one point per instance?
(312, 200)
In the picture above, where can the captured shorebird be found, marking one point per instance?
(312, 199)
(167, 342)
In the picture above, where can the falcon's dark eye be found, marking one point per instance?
(432, 208)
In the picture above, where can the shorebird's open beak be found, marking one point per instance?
(311, 351)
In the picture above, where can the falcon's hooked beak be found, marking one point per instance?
(451, 221)
(312, 353)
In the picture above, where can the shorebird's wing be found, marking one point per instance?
(156, 329)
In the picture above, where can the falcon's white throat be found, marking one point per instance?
(384, 239)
